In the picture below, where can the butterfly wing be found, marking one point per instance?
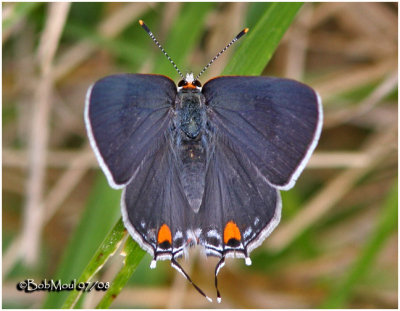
(240, 208)
(274, 123)
(264, 131)
(154, 206)
(126, 117)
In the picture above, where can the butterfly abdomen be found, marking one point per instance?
(192, 157)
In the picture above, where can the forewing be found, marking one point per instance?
(126, 118)
(154, 198)
(235, 196)
(275, 123)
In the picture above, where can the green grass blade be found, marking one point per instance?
(385, 227)
(99, 217)
(134, 255)
(107, 249)
(257, 48)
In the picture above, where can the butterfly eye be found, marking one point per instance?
(197, 83)
(182, 83)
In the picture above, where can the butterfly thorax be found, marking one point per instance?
(191, 113)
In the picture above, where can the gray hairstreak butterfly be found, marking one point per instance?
(201, 165)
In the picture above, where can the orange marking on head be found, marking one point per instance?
(231, 231)
(189, 86)
(140, 22)
(246, 30)
(164, 234)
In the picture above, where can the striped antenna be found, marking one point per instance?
(242, 33)
(144, 26)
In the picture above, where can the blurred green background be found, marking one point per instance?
(336, 245)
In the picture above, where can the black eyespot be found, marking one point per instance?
(182, 83)
(165, 245)
(197, 83)
(233, 243)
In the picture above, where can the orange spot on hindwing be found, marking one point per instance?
(164, 235)
(231, 233)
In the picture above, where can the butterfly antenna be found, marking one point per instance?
(144, 26)
(240, 34)
(177, 266)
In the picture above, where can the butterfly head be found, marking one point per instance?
(189, 82)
